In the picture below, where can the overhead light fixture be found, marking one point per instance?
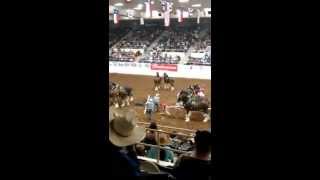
(183, 1)
(196, 5)
(138, 7)
(118, 4)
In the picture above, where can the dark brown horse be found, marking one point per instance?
(157, 82)
(120, 95)
(168, 82)
(194, 103)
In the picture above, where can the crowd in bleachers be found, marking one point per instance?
(180, 39)
(122, 56)
(115, 37)
(176, 40)
(206, 60)
(140, 38)
(201, 43)
(156, 56)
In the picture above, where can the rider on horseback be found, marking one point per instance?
(196, 88)
(165, 75)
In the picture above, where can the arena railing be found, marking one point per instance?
(169, 127)
(158, 146)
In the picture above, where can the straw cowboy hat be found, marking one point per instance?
(123, 130)
(164, 139)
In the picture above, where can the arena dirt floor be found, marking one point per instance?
(143, 85)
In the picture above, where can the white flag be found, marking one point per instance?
(148, 9)
(116, 16)
(179, 14)
(198, 16)
(167, 18)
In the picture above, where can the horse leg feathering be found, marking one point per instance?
(188, 116)
(206, 117)
(128, 101)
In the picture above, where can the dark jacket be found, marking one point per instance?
(123, 165)
(189, 168)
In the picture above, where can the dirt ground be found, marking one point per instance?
(143, 86)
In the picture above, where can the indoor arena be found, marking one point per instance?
(160, 109)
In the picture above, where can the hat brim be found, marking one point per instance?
(137, 135)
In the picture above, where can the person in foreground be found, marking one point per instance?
(123, 134)
(198, 165)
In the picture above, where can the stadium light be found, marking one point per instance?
(139, 7)
(183, 1)
(196, 5)
(118, 4)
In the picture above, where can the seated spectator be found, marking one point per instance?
(123, 133)
(151, 136)
(165, 155)
(173, 135)
(198, 165)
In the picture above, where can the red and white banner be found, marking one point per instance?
(198, 16)
(179, 14)
(148, 9)
(164, 67)
(167, 18)
(116, 16)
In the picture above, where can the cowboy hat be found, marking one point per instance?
(164, 139)
(123, 130)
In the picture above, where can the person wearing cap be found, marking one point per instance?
(165, 155)
(123, 133)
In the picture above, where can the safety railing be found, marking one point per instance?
(159, 147)
(169, 127)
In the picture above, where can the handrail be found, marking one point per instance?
(193, 131)
(164, 148)
(159, 147)
(165, 132)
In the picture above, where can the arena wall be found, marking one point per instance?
(174, 70)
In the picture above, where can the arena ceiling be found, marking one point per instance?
(138, 6)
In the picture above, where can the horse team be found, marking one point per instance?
(191, 99)
(168, 82)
